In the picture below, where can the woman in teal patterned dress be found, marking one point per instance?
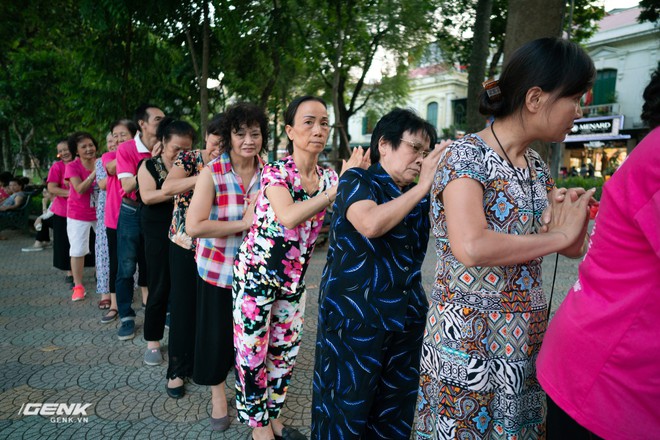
(487, 314)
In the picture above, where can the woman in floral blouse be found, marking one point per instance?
(268, 287)
(183, 302)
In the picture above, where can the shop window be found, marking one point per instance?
(432, 114)
(604, 87)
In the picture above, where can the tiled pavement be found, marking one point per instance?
(55, 351)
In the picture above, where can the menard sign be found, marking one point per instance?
(601, 128)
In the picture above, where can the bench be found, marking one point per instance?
(17, 218)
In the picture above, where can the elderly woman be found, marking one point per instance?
(370, 326)
(180, 183)
(81, 205)
(155, 217)
(268, 286)
(220, 214)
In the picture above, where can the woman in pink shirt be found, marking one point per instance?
(81, 206)
(58, 188)
(600, 359)
(122, 131)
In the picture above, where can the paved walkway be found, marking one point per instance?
(55, 351)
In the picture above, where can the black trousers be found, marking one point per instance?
(561, 426)
(112, 254)
(61, 258)
(183, 312)
(156, 251)
(44, 234)
(214, 335)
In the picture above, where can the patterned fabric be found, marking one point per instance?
(192, 163)
(269, 296)
(101, 245)
(370, 327)
(389, 286)
(485, 324)
(215, 256)
(365, 381)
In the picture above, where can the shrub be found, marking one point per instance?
(583, 182)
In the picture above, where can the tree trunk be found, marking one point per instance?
(5, 147)
(531, 19)
(203, 89)
(528, 20)
(478, 58)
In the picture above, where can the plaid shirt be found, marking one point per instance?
(215, 256)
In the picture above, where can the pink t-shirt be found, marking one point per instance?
(129, 155)
(113, 192)
(80, 206)
(600, 359)
(56, 175)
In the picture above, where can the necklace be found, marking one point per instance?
(516, 174)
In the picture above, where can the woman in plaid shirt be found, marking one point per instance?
(220, 213)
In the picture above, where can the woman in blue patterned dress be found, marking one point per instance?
(268, 287)
(373, 307)
(487, 314)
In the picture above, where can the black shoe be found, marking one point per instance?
(290, 434)
(175, 393)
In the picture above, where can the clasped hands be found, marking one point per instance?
(568, 214)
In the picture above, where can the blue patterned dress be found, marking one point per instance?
(485, 324)
(372, 311)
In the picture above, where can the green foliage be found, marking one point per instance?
(650, 11)
(583, 182)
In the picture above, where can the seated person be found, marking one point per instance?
(17, 196)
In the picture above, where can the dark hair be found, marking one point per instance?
(141, 113)
(555, 65)
(215, 125)
(169, 127)
(239, 114)
(391, 127)
(651, 107)
(22, 181)
(292, 109)
(130, 125)
(5, 178)
(76, 137)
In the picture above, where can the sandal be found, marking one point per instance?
(104, 304)
(110, 316)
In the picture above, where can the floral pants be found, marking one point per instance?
(268, 322)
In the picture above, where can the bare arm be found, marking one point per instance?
(373, 220)
(128, 184)
(177, 182)
(473, 244)
(56, 191)
(148, 192)
(18, 202)
(82, 185)
(111, 167)
(197, 218)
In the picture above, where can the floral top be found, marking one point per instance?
(192, 163)
(269, 246)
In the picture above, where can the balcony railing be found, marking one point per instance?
(591, 111)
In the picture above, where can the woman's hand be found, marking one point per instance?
(157, 149)
(430, 165)
(568, 217)
(248, 215)
(558, 195)
(359, 158)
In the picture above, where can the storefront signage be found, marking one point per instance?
(601, 128)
